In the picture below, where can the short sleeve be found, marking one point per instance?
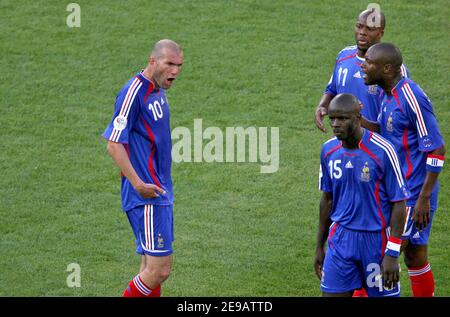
(325, 184)
(421, 115)
(394, 179)
(126, 112)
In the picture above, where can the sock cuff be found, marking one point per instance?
(417, 271)
(141, 286)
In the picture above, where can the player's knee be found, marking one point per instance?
(415, 256)
(162, 274)
(159, 274)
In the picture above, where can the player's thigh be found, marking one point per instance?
(155, 230)
(414, 235)
(159, 264)
(372, 252)
(152, 226)
(341, 273)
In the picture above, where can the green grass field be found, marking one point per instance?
(247, 63)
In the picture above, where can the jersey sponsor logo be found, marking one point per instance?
(365, 173)
(416, 235)
(349, 165)
(357, 74)
(120, 123)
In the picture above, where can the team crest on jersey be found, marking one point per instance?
(365, 173)
(120, 123)
(372, 89)
(160, 241)
(389, 126)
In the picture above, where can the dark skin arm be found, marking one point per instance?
(326, 202)
(421, 213)
(322, 110)
(390, 267)
(370, 125)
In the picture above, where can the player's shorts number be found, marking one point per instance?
(374, 278)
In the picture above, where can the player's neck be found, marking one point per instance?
(352, 142)
(389, 84)
(148, 74)
(360, 53)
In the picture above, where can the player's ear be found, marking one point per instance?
(152, 60)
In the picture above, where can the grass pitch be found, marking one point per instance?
(247, 63)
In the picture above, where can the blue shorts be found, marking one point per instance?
(153, 228)
(414, 235)
(353, 260)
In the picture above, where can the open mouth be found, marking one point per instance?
(362, 42)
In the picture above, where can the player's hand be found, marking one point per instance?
(149, 190)
(390, 270)
(318, 262)
(320, 113)
(421, 213)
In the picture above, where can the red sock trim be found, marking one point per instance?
(422, 280)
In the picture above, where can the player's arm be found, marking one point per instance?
(421, 214)
(390, 267)
(322, 110)
(326, 202)
(370, 125)
(120, 157)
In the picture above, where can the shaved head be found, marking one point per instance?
(387, 53)
(166, 44)
(345, 119)
(345, 102)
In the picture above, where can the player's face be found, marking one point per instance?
(343, 123)
(366, 35)
(372, 69)
(168, 67)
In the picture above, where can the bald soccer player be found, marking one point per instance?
(407, 120)
(364, 192)
(139, 141)
(347, 75)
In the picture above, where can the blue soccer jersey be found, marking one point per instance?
(408, 122)
(364, 182)
(347, 77)
(141, 122)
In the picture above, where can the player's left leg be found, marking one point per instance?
(372, 253)
(416, 259)
(143, 264)
(153, 227)
(419, 270)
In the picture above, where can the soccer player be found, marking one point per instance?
(364, 192)
(347, 74)
(139, 141)
(407, 120)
